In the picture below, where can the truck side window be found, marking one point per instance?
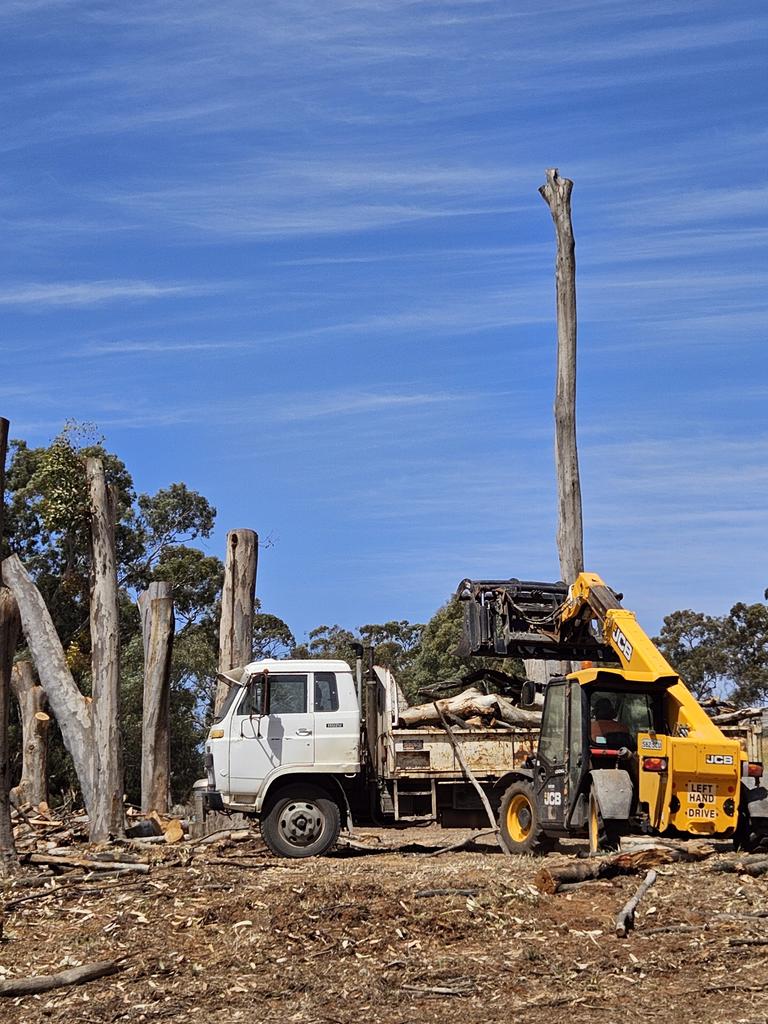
(287, 694)
(552, 739)
(326, 692)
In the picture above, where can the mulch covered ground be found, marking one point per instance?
(228, 933)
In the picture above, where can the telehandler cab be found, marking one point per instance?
(624, 746)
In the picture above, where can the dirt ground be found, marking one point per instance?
(234, 934)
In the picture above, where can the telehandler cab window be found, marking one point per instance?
(617, 718)
(552, 739)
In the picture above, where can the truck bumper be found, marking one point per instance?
(212, 801)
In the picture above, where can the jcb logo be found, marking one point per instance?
(622, 643)
(719, 759)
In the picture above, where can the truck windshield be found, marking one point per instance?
(234, 692)
(616, 718)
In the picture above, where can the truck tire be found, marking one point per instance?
(303, 821)
(603, 836)
(519, 821)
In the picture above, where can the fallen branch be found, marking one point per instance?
(84, 863)
(469, 774)
(46, 982)
(463, 843)
(625, 921)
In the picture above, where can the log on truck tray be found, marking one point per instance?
(471, 703)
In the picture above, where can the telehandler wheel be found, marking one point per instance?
(519, 819)
(303, 821)
(602, 836)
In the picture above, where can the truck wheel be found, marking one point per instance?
(602, 836)
(519, 819)
(302, 822)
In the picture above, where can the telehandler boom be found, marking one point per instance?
(624, 745)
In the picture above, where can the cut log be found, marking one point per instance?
(755, 868)
(35, 724)
(469, 704)
(625, 920)
(46, 982)
(549, 879)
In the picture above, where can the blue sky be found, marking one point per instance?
(293, 254)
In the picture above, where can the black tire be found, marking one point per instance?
(604, 836)
(519, 821)
(303, 821)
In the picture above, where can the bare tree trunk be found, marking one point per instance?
(570, 536)
(71, 710)
(157, 622)
(35, 723)
(108, 815)
(236, 628)
(9, 635)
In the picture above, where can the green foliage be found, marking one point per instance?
(437, 658)
(272, 638)
(693, 644)
(727, 654)
(746, 643)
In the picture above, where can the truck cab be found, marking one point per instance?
(287, 736)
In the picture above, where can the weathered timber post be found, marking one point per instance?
(35, 723)
(157, 624)
(237, 596)
(108, 815)
(9, 635)
(570, 534)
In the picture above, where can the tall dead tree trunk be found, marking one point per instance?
(236, 628)
(108, 817)
(157, 623)
(9, 635)
(570, 535)
(35, 723)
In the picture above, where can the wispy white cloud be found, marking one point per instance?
(90, 293)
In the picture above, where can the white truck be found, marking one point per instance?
(292, 749)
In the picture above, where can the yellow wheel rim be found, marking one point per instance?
(594, 827)
(519, 818)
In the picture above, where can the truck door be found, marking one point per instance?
(283, 737)
(552, 763)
